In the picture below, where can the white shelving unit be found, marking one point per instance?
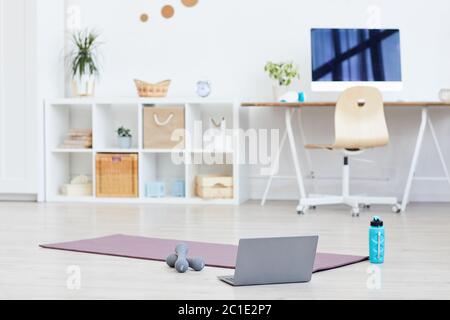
(104, 116)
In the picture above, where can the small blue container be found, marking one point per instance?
(301, 97)
(178, 189)
(155, 189)
(376, 241)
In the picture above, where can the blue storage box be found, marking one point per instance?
(179, 189)
(155, 189)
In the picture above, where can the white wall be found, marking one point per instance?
(49, 42)
(229, 42)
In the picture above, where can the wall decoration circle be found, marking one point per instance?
(167, 11)
(144, 17)
(189, 3)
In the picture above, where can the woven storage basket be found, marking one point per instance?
(117, 175)
(150, 90)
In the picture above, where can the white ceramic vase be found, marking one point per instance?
(84, 86)
(444, 95)
(278, 90)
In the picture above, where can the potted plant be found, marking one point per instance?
(283, 75)
(124, 138)
(83, 62)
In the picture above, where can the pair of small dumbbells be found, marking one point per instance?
(181, 262)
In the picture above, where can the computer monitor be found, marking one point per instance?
(342, 58)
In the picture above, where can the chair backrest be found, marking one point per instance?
(359, 119)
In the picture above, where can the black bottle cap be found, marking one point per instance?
(376, 222)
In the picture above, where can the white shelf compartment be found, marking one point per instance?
(198, 166)
(63, 168)
(60, 119)
(161, 167)
(198, 120)
(108, 118)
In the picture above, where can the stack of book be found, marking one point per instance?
(78, 139)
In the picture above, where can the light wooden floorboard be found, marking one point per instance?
(417, 261)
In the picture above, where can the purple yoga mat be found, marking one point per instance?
(215, 255)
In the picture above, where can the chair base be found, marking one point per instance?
(354, 202)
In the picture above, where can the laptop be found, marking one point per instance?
(274, 261)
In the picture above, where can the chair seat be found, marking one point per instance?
(320, 146)
(330, 147)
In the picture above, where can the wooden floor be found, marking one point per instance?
(417, 262)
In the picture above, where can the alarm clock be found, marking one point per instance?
(203, 88)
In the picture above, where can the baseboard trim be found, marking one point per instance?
(18, 198)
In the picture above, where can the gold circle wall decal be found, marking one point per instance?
(144, 17)
(189, 3)
(168, 12)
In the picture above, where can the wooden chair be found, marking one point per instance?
(360, 124)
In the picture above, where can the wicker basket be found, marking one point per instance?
(117, 175)
(149, 90)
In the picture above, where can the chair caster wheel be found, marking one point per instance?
(355, 212)
(396, 209)
(366, 207)
(302, 211)
(313, 208)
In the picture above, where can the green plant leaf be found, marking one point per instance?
(82, 57)
(283, 72)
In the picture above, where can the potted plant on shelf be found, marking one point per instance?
(83, 62)
(283, 75)
(124, 138)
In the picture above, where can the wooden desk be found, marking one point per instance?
(290, 109)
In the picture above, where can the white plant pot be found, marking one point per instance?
(444, 95)
(84, 86)
(278, 91)
(125, 142)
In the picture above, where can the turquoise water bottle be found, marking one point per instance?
(376, 241)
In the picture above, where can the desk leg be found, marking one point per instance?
(298, 171)
(412, 170)
(439, 150)
(275, 169)
(307, 153)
